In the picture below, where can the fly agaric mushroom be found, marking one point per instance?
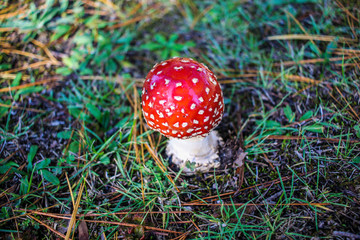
(182, 99)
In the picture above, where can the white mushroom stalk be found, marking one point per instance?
(197, 153)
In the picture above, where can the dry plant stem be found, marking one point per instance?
(203, 151)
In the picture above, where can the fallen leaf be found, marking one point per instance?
(83, 231)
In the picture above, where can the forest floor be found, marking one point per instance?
(78, 161)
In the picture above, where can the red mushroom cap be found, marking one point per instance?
(181, 98)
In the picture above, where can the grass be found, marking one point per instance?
(78, 161)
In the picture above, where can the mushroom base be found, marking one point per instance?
(198, 154)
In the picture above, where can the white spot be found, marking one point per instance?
(165, 124)
(192, 66)
(162, 102)
(158, 93)
(184, 124)
(161, 115)
(159, 72)
(143, 91)
(189, 130)
(172, 107)
(178, 84)
(151, 104)
(201, 99)
(163, 64)
(150, 123)
(152, 70)
(146, 114)
(152, 86)
(143, 103)
(152, 116)
(205, 66)
(195, 121)
(212, 80)
(178, 68)
(154, 98)
(183, 110)
(184, 60)
(195, 80)
(210, 109)
(169, 114)
(206, 119)
(216, 97)
(167, 81)
(199, 69)
(192, 106)
(206, 127)
(178, 98)
(179, 135)
(201, 112)
(207, 90)
(147, 97)
(174, 132)
(176, 124)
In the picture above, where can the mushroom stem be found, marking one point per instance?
(200, 152)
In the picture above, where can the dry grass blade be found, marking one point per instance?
(199, 16)
(12, 76)
(76, 206)
(347, 103)
(303, 29)
(47, 51)
(312, 37)
(161, 166)
(346, 11)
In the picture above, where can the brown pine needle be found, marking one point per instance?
(255, 204)
(310, 61)
(336, 140)
(346, 11)
(23, 53)
(47, 51)
(48, 227)
(22, 108)
(32, 66)
(133, 225)
(312, 37)
(41, 82)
